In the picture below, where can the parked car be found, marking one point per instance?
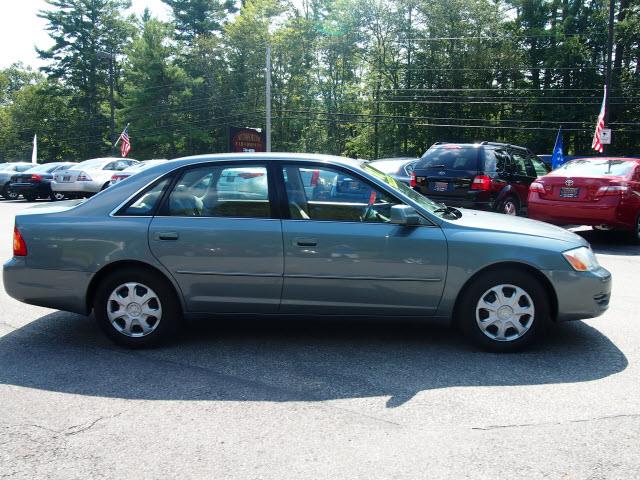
(484, 176)
(133, 169)
(170, 243)
(6, 172)
(603, 192)
(36, 182)
(398, 168)
(88, 177)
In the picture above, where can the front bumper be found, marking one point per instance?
(58, 289)
(76, 187)
(581, 294)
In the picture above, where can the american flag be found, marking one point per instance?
(596, 144)
(125, 147)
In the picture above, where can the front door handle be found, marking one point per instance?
(166, 236)
(305, 242)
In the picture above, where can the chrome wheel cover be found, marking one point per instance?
(58, 196)
(505, 313)
(509, 207)
(134, 310)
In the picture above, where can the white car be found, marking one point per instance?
(89, 177)
(132, 170)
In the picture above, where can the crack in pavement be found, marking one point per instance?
(544, 424)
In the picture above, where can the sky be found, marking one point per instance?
(21, 29)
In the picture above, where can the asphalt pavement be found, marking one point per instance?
(277, 399)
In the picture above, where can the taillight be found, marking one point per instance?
(412, 180)
(481, 182)
(83, 177)
(536, 187)
(314, 178)
(248, 175)
(612, 190)
(19, 247)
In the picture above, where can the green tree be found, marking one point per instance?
(82, 30)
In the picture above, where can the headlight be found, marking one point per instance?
(582, 259)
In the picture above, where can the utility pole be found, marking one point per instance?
(609, 60)
(111, 58)
(267, 94)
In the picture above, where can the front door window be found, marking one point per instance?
(325, 194)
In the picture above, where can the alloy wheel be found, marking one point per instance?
(509, 208)
(134, 310)
(505, 313)
(57, 196)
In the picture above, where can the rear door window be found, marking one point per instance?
(450, 158)
(221, 191)
(519, 163)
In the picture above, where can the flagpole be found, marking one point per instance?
(609, 60)
(118, 139)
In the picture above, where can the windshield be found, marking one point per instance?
(45, 167)
(587, 167)
(421, 200)
(450, 157)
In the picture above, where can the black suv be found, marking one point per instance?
(485, 176)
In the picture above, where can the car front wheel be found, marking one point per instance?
(504, 310)
(136, 308)
(9, 194)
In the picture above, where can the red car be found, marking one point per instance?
(603, 192)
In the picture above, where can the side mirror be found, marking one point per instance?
(404, 215)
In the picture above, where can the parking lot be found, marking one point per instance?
(272, 399)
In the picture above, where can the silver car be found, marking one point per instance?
(182, 239)
(89, 177)
(7, 170)
(135, 168)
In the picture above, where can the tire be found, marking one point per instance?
(501, 335)
(125, 323)
(635, 234)
(30, 197)
(509, 206)
(105, 186)
(56, 196)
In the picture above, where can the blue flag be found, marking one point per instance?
(557, 158)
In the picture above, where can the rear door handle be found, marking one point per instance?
(166, 236)
(305, 242)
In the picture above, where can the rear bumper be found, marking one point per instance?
(581, 294)
(59, 289)
(477, 200)
(76, 187)
(578, 213)
(33, 188)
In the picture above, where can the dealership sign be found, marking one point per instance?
(246, 140)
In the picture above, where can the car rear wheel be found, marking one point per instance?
(137, 309)
(509, 206)
(504, 310)
(30, 197)
(56, 196)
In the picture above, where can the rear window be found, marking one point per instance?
(450, 158)
(593, 166)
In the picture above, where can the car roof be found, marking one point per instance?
(261, 157)
(631, 159)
